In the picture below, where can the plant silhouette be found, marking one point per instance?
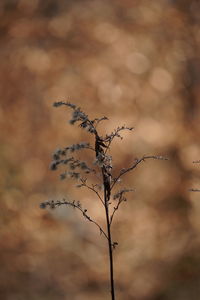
(101, 163)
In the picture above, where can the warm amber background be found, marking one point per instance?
(138, 63)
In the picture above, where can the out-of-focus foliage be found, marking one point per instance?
(138, 63)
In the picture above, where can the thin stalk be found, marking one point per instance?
(109, 246)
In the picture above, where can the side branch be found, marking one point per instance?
(137, 162)
(121, 198)
(74, 204)
(84, 184)
(115, 209)
(109, 138)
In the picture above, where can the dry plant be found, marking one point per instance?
(100, 165)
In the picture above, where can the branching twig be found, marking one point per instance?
(115, 209)
(84, 184)
(99, 120)
(137, 162)
(121, 199)
(109, 138)
(74, 204)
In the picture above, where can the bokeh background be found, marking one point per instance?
(138, 63)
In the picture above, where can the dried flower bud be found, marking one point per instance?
(43, 205)
(53, 165)
(56, 104)
(62, 176)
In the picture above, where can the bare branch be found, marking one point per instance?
(99, 120)
(109, 138)
(84, 184)
(74, 204)
(115, 209)
(120, 196)
(137, 162)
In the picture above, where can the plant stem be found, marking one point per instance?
(109, 246)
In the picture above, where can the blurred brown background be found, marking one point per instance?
(138, 63)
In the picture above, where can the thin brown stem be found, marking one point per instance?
(92, 189)
(77, 205)
(115, 209)
(137, 162)
(110, 245)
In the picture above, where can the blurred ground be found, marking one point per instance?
(138, 63)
